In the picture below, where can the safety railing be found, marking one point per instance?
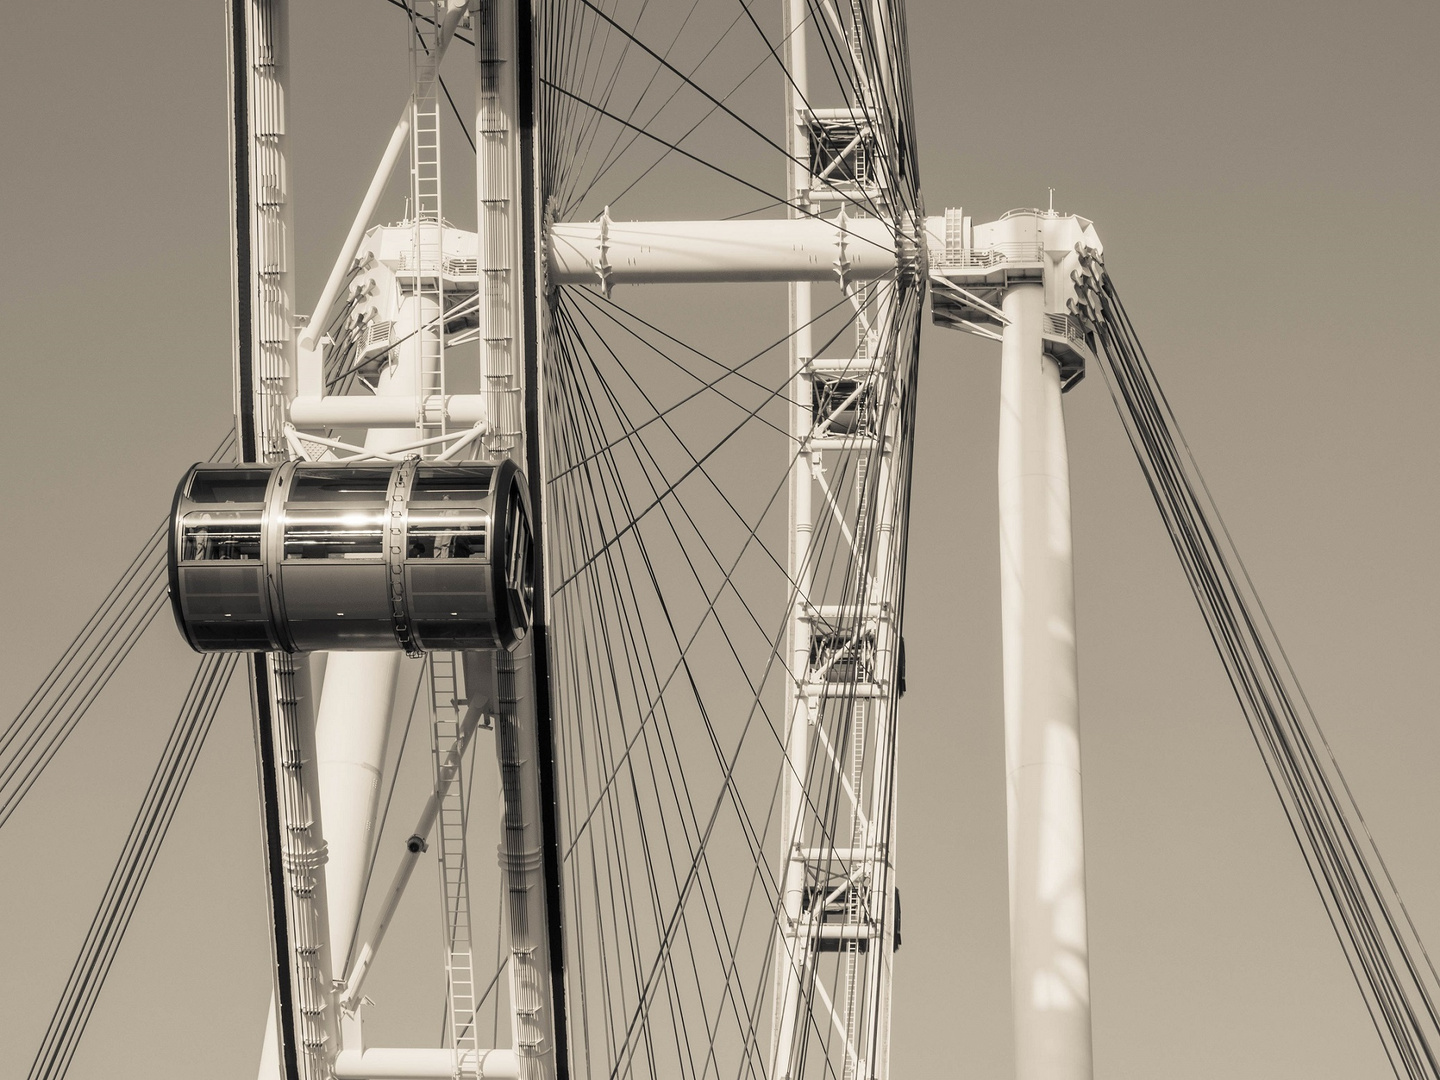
(986, 258)
(1066, 326)
(450, 266)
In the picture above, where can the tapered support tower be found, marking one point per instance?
(1049, 956)
(1010, 279)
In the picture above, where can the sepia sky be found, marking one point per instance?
(1264, 179)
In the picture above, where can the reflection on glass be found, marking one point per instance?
(229, 485)
(228, 535)
(452, 484)
(320, 534)
(446, 534)
(350, 485)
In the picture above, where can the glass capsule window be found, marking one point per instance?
(448, 519)
(336, 514)
(447, 534)
(346, 534)
(229, 486)
(221, 536)
(331, 486)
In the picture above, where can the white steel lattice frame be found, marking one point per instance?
(838, 874)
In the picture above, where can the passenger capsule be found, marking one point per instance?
(300, 557)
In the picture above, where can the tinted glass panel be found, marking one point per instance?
(230, 592)
(321, 534)
(437, 533)
(230, 535)
(229, 485)
(339, 486)
(456, 484)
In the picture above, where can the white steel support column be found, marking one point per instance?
(879, 833)
(265, 379)
(791, 945)
(1049, 959)
(270, 211)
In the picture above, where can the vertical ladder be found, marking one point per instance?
(446, 713)
(427, 256)
(497, 143)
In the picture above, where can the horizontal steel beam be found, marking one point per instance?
(607, 252)
(424, 1063)
(380, 410)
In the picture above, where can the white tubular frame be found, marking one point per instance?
(805, 248)
(424, 1063)
(859, 850)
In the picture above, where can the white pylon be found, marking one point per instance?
(1049, 955)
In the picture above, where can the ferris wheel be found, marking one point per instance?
(518, 485)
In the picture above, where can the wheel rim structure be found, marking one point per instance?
(703, 661)
(664, 395)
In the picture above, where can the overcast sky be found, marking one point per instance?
(1264, 180)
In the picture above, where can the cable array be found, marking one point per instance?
(667, 468)
(132, 868)
(1381, 946)
(670, 603)
(64, 696)
(622, 108)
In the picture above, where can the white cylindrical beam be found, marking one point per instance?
(424, 1063)
(351, 730)
(310, 335)
(1049, 956)
(609, 252)
(399, 138)
(390, 410)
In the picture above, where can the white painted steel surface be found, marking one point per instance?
(500, 212)
(787, 249)
(424, 1063)
(1049, 955)
(388, 410)
(351, 730)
